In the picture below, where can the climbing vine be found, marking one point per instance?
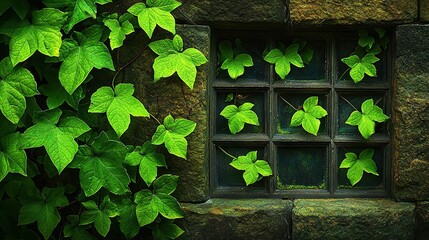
(61, 166)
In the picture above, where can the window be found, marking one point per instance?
(303, 164)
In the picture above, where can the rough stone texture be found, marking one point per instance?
(424, 10)
(352, 219)
(410, 160)
(422, 220)
(171, 96)
(248, 219)
(330, 12)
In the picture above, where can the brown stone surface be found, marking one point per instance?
(410, 159)
(352, 219)
(422, 220)
(329, 12)
(250, 219)
(424, 10)
(171, 96)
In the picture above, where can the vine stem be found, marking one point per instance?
(288, 103)
(156, 119)
(229, 155)
(349, 102)
(344, 73)
(127, 64)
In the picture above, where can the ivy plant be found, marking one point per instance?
(358, 165)
(360, 67)
(253, 169)
(297, 54)
(231, 60)
(366, 119)
(309, 117)
(65, 170)
(238, 116)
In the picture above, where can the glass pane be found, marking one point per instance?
(254, 47)
(344, 49)
(285, 112)
(301, 168)
(345, 109)
(315, 70)
(230, 177)
(238, 99)
(368, 180)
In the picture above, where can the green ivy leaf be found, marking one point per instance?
(99, 215)
(235, 66)
(43, 209)
(365, 40)
(101, 166)
(148, 161)
(16, 83)
(252, 167)
(229, 97)
(155, 12)
(20, 7)
(81, 57)
(238, 116)
(357, 165)
(118, 31)
(79, 9)
(309, 117)
(172, 133)
(166, 230)
(13, 158)
(173, 59)
(56, 94)
(360, 67)
(366, 119)
(128, 219)
(283, 60)
(76, 231)
(42, 34)
(118, 104)
(56, 136)
(149, 204)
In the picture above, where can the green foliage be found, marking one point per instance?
(360, 67)
(172, 134)
(118, 104)
(234, 65)
(253, 169)
(366, 119)
(296, 54)
(57, 47)
(155, 12)
(172, 58)
(238, 116)
(309, 117)
(356, 166)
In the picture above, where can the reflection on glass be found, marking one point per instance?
(368, 180)
(230, 177)
(239, 98)
(285, 112)
(301, 168)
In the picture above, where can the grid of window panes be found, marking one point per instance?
(303, 164)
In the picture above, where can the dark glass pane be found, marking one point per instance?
(285, 112)
(254, 46)
(239, 98)
(301, 167)
(227, 175)
(368, 180)
(315, 70)
(344, 49)
(345, 109)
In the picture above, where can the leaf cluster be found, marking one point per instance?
(232, 59)
(309, 117)
(253, 169)
(358, 165)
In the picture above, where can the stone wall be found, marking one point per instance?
(405, 216)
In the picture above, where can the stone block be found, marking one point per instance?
(172, 96)
(422, 221)
(250, 219)
(348, 12)
(352, 219)
(410, 157)
(424, 10)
